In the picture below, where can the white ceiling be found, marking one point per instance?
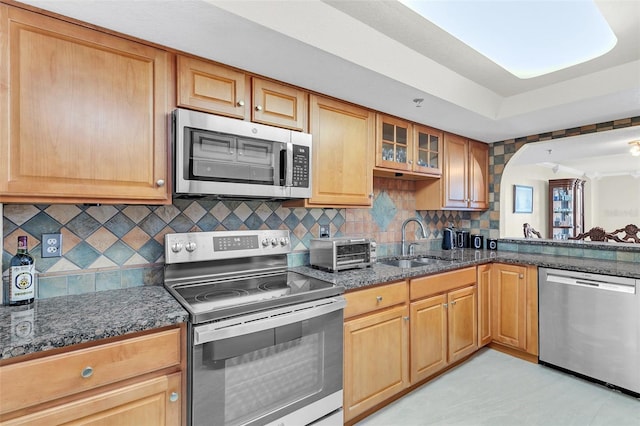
(382, 55)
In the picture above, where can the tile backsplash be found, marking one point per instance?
(115, 246)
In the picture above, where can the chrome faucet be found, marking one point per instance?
(404, 232)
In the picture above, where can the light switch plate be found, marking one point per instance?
(51, 245)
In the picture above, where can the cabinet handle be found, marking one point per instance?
(160, 183)
(410, 162)
(240, 103)
(521, 276)
(371, 195)
(87, 372)
(258, 107)
(406, 318)
(174, 396)
(444, 305)
(379, 299)
(453, 303)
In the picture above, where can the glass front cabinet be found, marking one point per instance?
(566, 208)
(407, 147)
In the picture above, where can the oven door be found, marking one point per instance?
(281, 365)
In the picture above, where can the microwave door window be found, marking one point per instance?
(260, 159)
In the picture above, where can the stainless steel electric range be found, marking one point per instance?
(264, 343)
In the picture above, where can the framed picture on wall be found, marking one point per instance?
(522, 199)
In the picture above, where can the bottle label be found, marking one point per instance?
(22, 286)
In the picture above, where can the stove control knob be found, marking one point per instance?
(274, 242)
(284, 241)
(176, 247)
(190, 246)
(265, 242)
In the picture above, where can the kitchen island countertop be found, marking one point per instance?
(443, 261)
(68, 320)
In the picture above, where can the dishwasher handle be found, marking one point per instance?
(593, 284)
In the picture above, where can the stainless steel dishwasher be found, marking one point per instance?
(590, 325)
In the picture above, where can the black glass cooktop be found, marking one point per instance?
(221, 298)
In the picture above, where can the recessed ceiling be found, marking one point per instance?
(382, 55)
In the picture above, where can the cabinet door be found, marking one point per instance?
(427, 151)
(428, 337)
(88, 114)
(463, 323)
(394, 148)
(455, 177)
(342, 153)
(484, 304)
(212, 88)
(510, 304)
(478, 175)
(375, 359)
(279, 105)
(151, 402)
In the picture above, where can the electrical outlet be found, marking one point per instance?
(51, 245)
(325, 231)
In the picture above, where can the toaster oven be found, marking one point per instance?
(340, 253)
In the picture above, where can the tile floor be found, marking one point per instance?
(494, 389)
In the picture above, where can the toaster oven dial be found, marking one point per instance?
(265, 242)
(284, 241)
(274, 242)
(177, 247)
(190, 246)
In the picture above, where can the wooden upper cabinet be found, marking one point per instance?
(209, 87)
(84, 115)
(279, 105)
(406, 147)
(478, 175)
(393, 143)
(427, 151)
(213, 88)
(342, 154)
(465, 178)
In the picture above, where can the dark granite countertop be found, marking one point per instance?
(442, 261)
(67, 320)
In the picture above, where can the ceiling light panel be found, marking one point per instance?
(526, 38)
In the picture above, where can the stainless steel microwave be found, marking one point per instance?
(226, 157)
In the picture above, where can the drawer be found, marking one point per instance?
(362, 301)
(32, 382)
(439, 283)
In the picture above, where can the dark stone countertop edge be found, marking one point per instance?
(63, 321)
(574, 244)
(381, 273)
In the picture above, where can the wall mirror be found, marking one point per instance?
(611, 180)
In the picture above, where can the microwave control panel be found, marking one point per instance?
(301, 166)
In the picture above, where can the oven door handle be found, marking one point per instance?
(260, 321)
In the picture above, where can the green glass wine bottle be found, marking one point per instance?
(22, 275)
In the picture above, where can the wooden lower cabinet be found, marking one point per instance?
(133, 381)
(443, 331)
(515, 306)
(376, 359)
(148, 403)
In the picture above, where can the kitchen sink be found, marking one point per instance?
(403, 263)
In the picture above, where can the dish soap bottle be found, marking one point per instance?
(22, 276)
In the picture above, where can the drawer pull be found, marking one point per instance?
(87, 372)
(174, 396)
(379, 299)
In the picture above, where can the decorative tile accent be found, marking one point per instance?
(383, 210)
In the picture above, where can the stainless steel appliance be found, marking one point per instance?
(340, 253)
(590, 325)
(227, 157)
(264, 343)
